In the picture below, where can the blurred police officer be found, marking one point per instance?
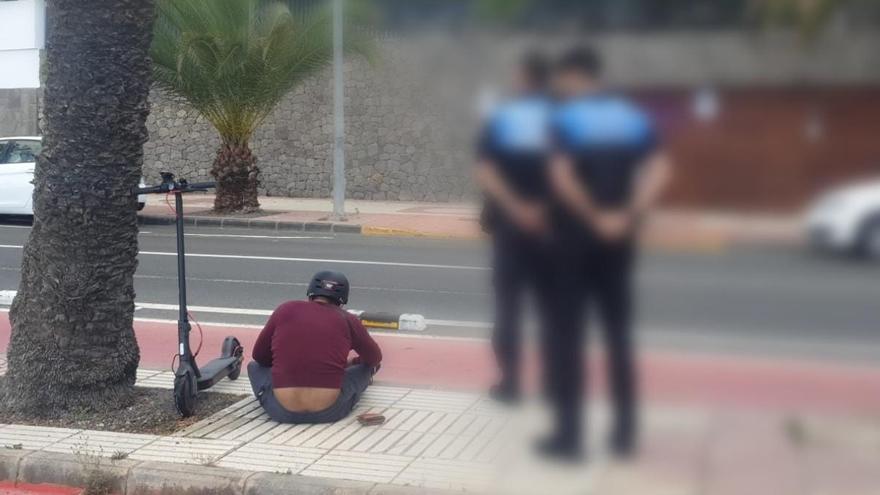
(512, 171)
(606, 173)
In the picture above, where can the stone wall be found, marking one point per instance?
(19, 110)
(398, 145)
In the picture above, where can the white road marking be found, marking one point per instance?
(242, 236)
(458, 323)
(303, 260)
(206, 309)
(233, 236)
(268, 312)
(317, 260)
(302, 284)
(395, 334)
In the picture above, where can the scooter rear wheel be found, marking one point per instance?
(232, 347)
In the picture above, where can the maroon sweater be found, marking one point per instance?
(307, 344)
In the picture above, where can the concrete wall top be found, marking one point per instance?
(21, 39)
(23, 24)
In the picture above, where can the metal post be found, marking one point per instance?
(338, 115)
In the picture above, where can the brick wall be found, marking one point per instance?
(769, 148)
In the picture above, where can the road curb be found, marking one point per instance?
(293, 226)
(130, 477)
(396, 232)
(254, 223)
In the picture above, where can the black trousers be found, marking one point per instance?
(522, 265)
(593, 276)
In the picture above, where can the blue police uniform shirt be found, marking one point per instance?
(516, 139)
(608, 138)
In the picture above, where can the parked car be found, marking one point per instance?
(847, 220)
(17, 160)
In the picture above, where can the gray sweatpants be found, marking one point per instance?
(356, 380)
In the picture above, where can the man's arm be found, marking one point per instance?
(263, 346)
(526, 215)
(610, 224)
(569, 189)
(651, 182)
(362, 343)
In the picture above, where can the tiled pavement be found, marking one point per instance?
(431, 439)
(465, 443)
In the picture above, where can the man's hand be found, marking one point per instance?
(530, 217)
(613, 225)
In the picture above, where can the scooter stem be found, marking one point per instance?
(183, 326)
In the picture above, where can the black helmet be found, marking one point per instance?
(332, 285)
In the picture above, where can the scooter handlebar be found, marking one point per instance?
(168, 187)
(149, 190)
(201, 186)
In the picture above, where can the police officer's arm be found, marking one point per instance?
(569, 189)
(610, 224)
(491, 181)
(651, 182)
(487, 175)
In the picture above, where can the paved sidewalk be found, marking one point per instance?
(668, 229)
(463, 442)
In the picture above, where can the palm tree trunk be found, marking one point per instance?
(72, 344)
(237, 175)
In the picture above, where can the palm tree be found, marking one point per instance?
(808, 16)
(233, 61)
(72, 343)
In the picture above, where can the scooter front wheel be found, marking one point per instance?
(185, 392)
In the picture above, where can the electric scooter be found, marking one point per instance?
(189, 379)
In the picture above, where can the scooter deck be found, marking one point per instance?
(216, 370)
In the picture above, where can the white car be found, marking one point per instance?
(17, 160)
(847, 220)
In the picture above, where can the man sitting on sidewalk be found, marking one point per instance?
(301, 372)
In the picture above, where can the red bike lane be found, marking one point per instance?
(675, 378)
(10, 488)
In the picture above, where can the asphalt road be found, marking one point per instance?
(739, 300)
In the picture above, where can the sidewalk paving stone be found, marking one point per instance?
(32, 437)
(184, 450)
(271, 458)
(97, 443)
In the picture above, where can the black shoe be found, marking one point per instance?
(560, 448)
(504, 394)
(622, 446)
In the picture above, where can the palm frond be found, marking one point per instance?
(234, 60)
(808, 16)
